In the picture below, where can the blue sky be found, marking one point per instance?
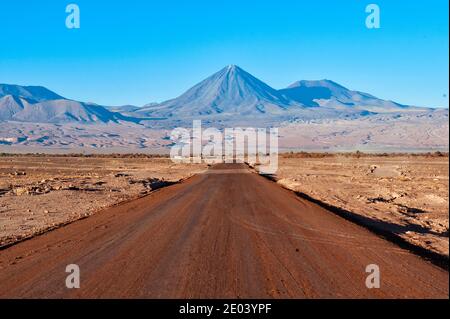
(136, 52)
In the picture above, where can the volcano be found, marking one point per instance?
(233, 94)
(230, 91)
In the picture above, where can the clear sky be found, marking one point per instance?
(136, 52)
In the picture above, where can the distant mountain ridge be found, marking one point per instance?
(235, 92)
(35, 93)
(332, 94)
(231, 94)
(38, 104)
(310, 115)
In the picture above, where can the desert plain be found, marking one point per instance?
(404, 194)
(141, 226)
(40, 193)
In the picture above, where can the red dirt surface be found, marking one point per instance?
(227, 233)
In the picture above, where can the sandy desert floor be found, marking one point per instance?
(229, 234)
(45, 192)
(403, 194)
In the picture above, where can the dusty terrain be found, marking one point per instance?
(17, 137)
(413, 132)
(44, 192)
(403, 132)
(406, 195)
(227, 233)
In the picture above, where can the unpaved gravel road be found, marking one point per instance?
(227, 233)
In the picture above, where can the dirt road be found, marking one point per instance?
(228, 233)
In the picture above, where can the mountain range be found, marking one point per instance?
(40, 105)
(326, 93)
(231, 94)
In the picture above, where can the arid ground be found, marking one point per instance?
(403, 194)
(147, 230)
(224, 233)
(38, 193)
